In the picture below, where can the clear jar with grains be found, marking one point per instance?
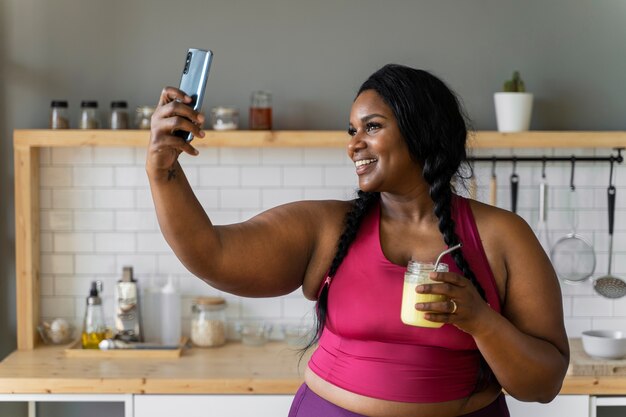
(89, 115)
(58, 115)
(143, 116)
(208, 321)
(119, 115)
(225, 118)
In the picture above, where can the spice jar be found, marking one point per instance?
(225, 118)
(143, 116)
(261, 110)
(208, 321)
(119, 115)
(58, 115)
(88, 115)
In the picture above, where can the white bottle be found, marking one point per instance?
(170, 313)
(151, 311)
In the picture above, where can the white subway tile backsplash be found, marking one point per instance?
(255, 176)
(131, 177)
(92, 176)
(340, 176)
(228, 176)
(114, 156)
(152, 242)
(136, 220)
(237, 198)
(73, 242)
(95, 264)
(97, 215)
(114, 199)
(303, 176)
(115, 242)
(55, 176)
(72, 156)
(282, 156)
(72, 198)
(57, 264)
(93, 220)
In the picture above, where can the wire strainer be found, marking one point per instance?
(573, 257)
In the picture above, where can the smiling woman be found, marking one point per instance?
(501, 326)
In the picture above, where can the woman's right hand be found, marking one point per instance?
(172, 113)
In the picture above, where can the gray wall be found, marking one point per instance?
(312, 55)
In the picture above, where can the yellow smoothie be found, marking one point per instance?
(409, 315)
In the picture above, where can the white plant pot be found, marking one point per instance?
(513, 111)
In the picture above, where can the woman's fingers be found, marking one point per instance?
(169, 94)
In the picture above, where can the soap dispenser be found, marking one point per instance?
(94, 327)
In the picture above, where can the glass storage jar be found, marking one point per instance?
(225, 118)
(89, 115)
(119, 115)
(58, 115)
(143, 116)
(261, 110)
(208, 321)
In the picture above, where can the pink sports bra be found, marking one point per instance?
(366, 349)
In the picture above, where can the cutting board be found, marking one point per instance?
(582, 364)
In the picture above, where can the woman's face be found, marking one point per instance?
(378, 149)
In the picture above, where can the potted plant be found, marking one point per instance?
(513, 106)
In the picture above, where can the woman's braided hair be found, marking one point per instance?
(434, 126)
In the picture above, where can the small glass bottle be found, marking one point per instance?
(143, 116)
(119, 115)
(416, 274)
(89, 115)
(94, 326)
(208, 321)
(225, 118)
(261, 111)
(58, 115)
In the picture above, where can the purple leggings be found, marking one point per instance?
(308, 404)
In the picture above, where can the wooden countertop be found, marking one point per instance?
(232, 369)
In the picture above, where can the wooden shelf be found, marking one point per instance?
(310, 138)
(26, 161)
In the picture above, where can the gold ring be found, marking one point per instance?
(454, 306)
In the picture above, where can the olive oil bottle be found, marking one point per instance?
(94, 328)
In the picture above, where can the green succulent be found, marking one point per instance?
(516, 85)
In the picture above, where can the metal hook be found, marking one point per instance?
(611, 173)
(543, 167)
(493, 167)
(514, 164)
(571, 178)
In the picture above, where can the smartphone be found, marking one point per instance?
(193, 81)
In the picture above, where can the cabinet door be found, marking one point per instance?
(562, 405)
(212, 405)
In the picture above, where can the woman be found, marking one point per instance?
(503, 318)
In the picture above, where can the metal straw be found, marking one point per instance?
(451, 249)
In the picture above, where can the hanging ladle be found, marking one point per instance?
(610, 286)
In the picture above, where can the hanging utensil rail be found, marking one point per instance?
(611, 158)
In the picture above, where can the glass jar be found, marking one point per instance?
(208, 321)
(261, 110)
(143, 116)
(89, 115)
(119, 115)
(58, 115)
(225, 118)
(416, 274)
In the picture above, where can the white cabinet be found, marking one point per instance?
(212, 405)
(562, 405)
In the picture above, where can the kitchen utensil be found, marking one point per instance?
(514, 185)
(493, 185)
(604, 344)
(572, 256)
(610, 286)
(542, 224)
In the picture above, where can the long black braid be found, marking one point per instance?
(434, 126)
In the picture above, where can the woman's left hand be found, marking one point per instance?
(463, 308)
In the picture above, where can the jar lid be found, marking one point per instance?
(118, 105)
(209, 301)
(225, 110)
(58, 103)
(89, 104)
(146, 109)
